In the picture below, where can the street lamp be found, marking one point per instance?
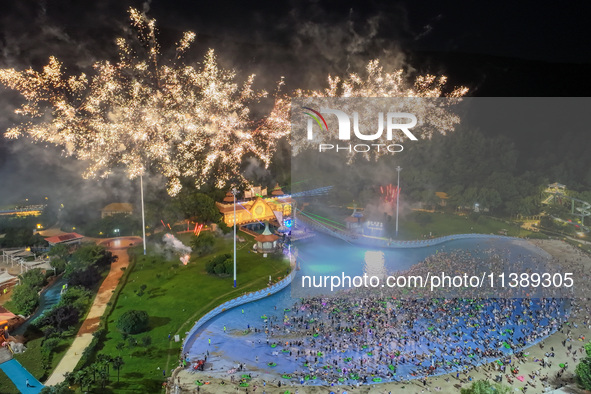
(397, 197)
(234, 192)
(143, 215)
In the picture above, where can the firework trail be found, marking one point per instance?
(389, 194)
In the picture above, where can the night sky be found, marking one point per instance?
(496, 48)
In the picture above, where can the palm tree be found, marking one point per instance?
(83, 377)
(87, 380)
(93, 368)
(104, 377)
(104, 361)
(117, 364)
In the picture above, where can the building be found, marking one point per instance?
(117, 208)
(255, 207)
(355, 222)
(267, 241)
(374, 228)
(66, 239)
(29, 210)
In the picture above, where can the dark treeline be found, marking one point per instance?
(506, 177)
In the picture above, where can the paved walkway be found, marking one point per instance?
(84, 337)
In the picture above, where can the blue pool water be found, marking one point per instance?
(48, 299)
(232, 344)
(19, 377)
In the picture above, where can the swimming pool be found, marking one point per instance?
(233, 341)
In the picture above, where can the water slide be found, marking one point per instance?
(19, 376)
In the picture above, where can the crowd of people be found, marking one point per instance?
(371, 335)
(372, 339)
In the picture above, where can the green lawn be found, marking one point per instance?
(416, 224)
(6, 384)
(175, 297)
(31, 360)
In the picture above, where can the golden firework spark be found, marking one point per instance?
(146, 111)
(425, 96)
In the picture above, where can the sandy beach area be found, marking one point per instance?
(541, 373)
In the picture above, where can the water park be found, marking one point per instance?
(337, 340)
(350, 198)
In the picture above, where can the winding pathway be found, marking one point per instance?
(118, 246)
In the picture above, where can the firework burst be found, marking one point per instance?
(427, 96)
(389, 194)
(147, 111)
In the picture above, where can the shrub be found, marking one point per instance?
(133, 322)
(78, 297)
(220, 265)
(131, 342)
(25, 299)
(61, 318)
(485, 387)
(583, 370)
(33, 278)
(203, 244)
(87, 277)
(146, 341)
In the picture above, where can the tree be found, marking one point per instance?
(117, 364)
(103, 377)
(84, 377)
(60, 251)
(61, 317)
(220, 264)
(126, 224)
(133, 322)
(203, 244)
(197, 206)
(89, 255)
(59, 264)
(33, 278)
(485, 387)
(76, 296)
(87, 277)
(25, 299)
(60, 388)
(583, 370)
(104, 360)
